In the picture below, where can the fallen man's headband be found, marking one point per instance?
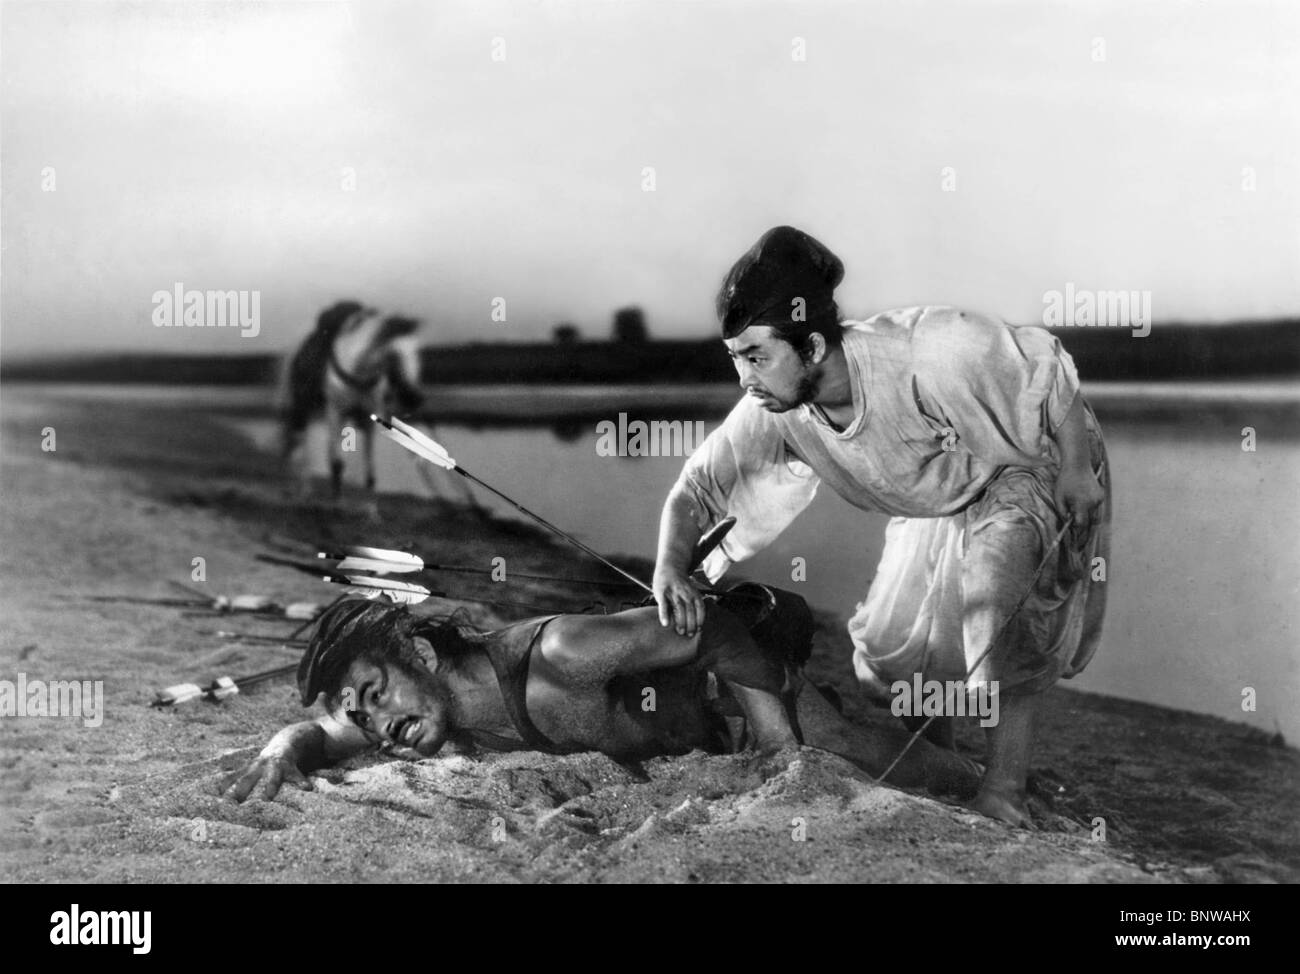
(340, 625)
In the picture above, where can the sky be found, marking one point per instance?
(432, 158)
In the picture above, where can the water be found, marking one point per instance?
(1205, 571)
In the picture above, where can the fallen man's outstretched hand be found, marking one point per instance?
(262, 778)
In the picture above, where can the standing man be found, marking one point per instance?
(970, 433)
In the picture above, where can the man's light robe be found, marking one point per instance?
(953, 435)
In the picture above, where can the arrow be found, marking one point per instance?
(314, 569)
(218, 690)
(383, 561)
(257, 605)
(423, 446)
(402, 593)
(248, 637)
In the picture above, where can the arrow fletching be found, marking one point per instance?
(352, 564)
(408, 444)
(402, 593)
(416, 442)
(178, 694)
(426, 441)
(224, 687)
(303, 611)
(381, 561)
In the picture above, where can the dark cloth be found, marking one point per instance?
(780, 622)
(509, 653)
(760, 288)
(781, 626)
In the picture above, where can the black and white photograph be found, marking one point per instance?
(588, 442)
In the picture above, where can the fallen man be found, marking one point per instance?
(622, 684)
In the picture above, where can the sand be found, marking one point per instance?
(132, 494)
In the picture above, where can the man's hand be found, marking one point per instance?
(263, 777)
(1079, 496)
(680, 602)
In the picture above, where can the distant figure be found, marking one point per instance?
(629, 326)
(356, 362)
(565, 334)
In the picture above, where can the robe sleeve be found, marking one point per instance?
(744, 469)
(1005, 391)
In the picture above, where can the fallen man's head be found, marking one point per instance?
(379, 670)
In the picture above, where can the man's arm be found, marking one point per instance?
(1078, 495)
(743, 469)
(680, 603)
(298, 748)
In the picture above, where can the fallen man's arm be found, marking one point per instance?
(299, 748)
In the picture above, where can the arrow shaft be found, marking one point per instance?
(424, 446)
(247, 637)
(139, 600)
(604, 583)
(551, 527)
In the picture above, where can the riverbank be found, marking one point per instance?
(132, 494)
(1276, 401)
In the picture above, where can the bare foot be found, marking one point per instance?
(776, 759)
(1003, 806)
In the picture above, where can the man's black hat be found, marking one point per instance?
(761, 287)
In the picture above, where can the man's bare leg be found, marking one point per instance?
(766, 717)
(1000, 566)
(1002, 793)
(938, 770)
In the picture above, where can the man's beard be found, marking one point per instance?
(805, 391)
(435, 720)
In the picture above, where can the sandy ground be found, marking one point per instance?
(131, 495)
